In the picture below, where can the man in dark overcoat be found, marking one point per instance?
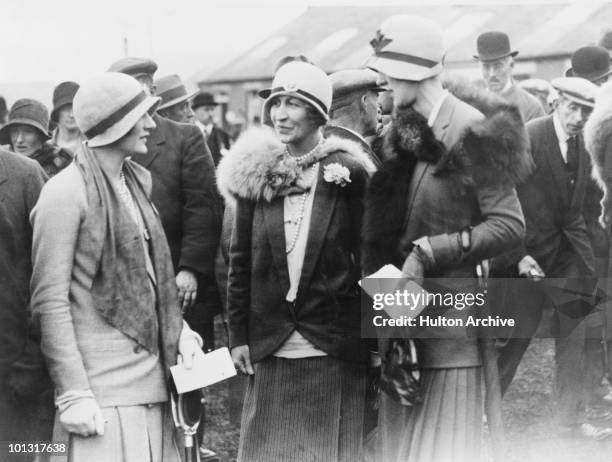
(218, 140)
(557, 243)
(184, 192)
(26, 399)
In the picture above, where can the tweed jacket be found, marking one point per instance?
(82, 349)
(327, 308)
(184, 192)
(435, 182)
(553, 212)
(21, 180)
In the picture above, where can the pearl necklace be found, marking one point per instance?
(302, 209)
(303, 158)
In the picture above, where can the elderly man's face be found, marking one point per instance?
(572, 115)
(497, 73)
(26, 140)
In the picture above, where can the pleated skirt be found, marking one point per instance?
(142, 433)
(303, 410)
(446, 427)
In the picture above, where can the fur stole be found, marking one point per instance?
(257, 163)
(493, 151)
(598, 141)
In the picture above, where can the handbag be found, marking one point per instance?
(400, 376)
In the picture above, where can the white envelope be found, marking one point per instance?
(207, 369)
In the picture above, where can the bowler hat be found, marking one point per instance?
(576, 89)
(493, 45)
(134, 66)
(301, 80)
(407, 47)
(172, 91)
(30, 112)
(108, 106)
(203, 99)
(62, 96)
(591, 63)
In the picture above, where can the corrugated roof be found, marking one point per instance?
(338, 36)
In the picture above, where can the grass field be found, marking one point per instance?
(528, 412)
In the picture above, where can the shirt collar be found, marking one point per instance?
(436, 108)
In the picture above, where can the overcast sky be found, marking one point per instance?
(54, 40)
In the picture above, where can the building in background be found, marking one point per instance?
(337, 38)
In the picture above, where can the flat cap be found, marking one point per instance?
(350, 80)
(134, 66)
(576, 89)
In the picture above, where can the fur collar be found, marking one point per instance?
(493, 150)
(245, 171)
(598, 132)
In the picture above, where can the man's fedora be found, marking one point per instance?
(29, 112)
(576, 89)
(493, 45)
(172, 91)
(203, 99)
(591, 63)
(63, 96)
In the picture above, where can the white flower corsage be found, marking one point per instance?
(336, 173)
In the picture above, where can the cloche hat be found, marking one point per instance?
(63, 95)
(407, 47)
(29, 112)
(301, 80)
(109, 105)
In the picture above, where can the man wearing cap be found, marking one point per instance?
(354, 112)
(419, 218)
(184, 192)
(66, 134)
(557, 243)
(27, 133)
(218, 140)
(174, 99)
(496, 63)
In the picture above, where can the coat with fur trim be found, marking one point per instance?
(436, 182)
(327, 308)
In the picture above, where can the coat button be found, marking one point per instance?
(137, 349)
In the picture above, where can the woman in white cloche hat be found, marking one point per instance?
(293, 298)
(103, 286)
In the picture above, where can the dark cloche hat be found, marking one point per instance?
(62, 96)
(30, 112)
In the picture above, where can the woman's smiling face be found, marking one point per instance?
(291, 119)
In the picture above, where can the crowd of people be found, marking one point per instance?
(136, 220)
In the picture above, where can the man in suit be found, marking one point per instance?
(218, 140)
(175, 104)
(496, 63)
(557, 243)
(26, 393)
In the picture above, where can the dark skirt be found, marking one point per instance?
(446, 427)
(308, 409)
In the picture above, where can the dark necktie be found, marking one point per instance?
(571, 165)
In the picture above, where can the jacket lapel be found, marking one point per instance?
(323, 207)
(275, 229)
(555, 163)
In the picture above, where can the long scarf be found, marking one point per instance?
(121, 288)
